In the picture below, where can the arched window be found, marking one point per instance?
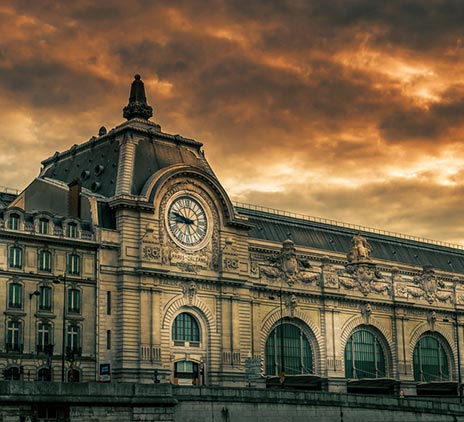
(15, 257)
(45, 261)
(44, 374)
(364, 356)
(185, 328)
(15, 296)
(297, 354)
(13, 373)
(430, 361)
(74, 375)
(13, 222)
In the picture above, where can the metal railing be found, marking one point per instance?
(354, 227)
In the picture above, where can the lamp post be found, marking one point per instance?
(456, 328)
(31, 295)
(58, 280)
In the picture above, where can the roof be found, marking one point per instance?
(273, 227)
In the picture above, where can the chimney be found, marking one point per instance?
(74, 199)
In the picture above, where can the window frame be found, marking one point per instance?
(45, 298)
(15, 257)
(73, 300)
(43, 225)
(15, 295)
(14, 336)
(43, 262)
(14, 221)
(73, 264)
(186, 330)
(442, 351)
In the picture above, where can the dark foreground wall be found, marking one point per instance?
(35, 401)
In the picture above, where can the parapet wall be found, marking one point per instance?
(124, 402)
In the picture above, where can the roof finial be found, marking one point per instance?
(137, 106)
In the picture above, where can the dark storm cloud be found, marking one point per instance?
(337, 108)
(413, 123)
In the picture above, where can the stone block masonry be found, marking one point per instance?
(127, 402)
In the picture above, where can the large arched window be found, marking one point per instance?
(297, 353)
(364, 356)
(430, 361)
(185, 328)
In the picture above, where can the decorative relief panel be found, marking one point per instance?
(229, 257)
(429, 287)
(287, 266)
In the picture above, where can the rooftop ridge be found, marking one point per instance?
(356, 227)
(6, 189)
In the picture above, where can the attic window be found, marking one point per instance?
(13, 222)
(44, 226)
(71, 230)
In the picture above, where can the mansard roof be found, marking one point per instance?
(97, 162)
(333, 238)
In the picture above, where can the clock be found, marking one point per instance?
(187, 222)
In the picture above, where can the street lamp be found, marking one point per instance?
(31, 295)
(58, 280)
(456, 328)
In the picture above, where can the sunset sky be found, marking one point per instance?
(348, 110)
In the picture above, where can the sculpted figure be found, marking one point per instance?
(360, 249)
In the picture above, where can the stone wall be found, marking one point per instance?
(124, 402)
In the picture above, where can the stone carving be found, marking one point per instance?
(330, 276)
(366, 278)
(229, 258)
(360, 249)
(366, 312)
(190, 291)
(429, 286)
(291, 303)
(288, 266)
(432, 318)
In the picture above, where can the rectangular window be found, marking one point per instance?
(108, 339)
(108, 303)
(43, 337)
(45, 261)
(71, 230)
(74, 264)
(43, 226)
(15, 258)
(13, 337)
(15, 295)
(74, 301)
(73, 339)
(13, 222)
(45, 298)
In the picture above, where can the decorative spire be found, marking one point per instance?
(137, 106)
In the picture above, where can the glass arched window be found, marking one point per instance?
(44, 374)
(364, 356)
(297, 353)
(13, 222)
(45, 261)
(185, 328)
(430, 361)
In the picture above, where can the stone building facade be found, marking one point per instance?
(128, 257)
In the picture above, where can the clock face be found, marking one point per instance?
(187, 221)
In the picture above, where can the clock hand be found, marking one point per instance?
(183, 219)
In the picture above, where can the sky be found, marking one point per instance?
(350, 110)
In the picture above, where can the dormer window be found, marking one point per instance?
(71, 230)
(44, 226)
(13, 221)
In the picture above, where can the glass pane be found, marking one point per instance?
(297, 354)
(430, 361)
(364, 357)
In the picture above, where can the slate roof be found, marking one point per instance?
(332, 238)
